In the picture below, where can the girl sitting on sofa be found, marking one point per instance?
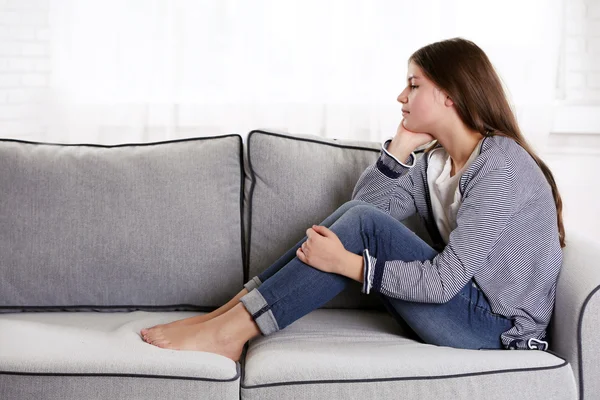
(489, 203)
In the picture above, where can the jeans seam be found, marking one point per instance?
(261, 311)
(487, 311)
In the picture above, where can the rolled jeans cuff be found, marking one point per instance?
(260, 311)
(252, 284)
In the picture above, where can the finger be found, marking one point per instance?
(309, 232)
(300, 255)
(316, 231)
(323, 230)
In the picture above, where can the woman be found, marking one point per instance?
(489, 203)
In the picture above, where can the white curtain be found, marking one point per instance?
(151, 70)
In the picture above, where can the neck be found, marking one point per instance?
(459, 144)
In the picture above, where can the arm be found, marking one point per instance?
(388, 185)
(481, 219)
(352, 267)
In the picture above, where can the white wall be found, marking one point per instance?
(25, 51)
(574, 149)
(574, 144)
(576, 127)
(582, 46)
(24, 66)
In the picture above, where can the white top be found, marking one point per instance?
(443, 188)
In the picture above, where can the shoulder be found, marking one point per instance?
(505, 147)
(505, 152)
(503, 157)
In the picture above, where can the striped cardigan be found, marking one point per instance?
(506, 236)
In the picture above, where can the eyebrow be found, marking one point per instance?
(412, 77)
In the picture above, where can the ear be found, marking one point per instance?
(448, 102)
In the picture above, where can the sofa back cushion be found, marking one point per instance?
(125, 227)
(296, 181)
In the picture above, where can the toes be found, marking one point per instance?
(149, 337)
(154, 338)
(145, 331)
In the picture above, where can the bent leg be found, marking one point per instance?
(291, 253)
(297, 288)
(466, 321)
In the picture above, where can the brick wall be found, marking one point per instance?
(24, 66)
(582, 48)
(25, 62)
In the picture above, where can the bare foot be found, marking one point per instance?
(200, 318)
(206, 336)
(196, 319)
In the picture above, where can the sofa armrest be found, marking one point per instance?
(576, 318)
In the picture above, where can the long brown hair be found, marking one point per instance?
(462, 70)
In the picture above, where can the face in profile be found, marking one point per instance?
(423, 104)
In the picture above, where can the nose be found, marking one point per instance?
(402, 97)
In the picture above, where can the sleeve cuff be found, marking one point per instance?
(368, 271)
(390, 165)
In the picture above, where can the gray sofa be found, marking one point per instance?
(98, 242)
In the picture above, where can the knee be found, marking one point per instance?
(364, 212)
(351, 204)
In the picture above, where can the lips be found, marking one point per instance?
(405, 112)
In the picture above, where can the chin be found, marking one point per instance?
(411, 126)
(415, 127)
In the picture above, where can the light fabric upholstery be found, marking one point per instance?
(297, 181)
(85, 355)
(363, 354)
(576, 319)
(246, 206)
(135, 226)
(141, 211)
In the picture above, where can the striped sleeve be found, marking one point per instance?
(387, 185)
(368, 263)
(486, 208)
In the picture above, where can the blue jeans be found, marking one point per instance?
(290, 289)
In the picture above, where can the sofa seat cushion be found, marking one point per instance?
(86, 355)
(364, 354)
